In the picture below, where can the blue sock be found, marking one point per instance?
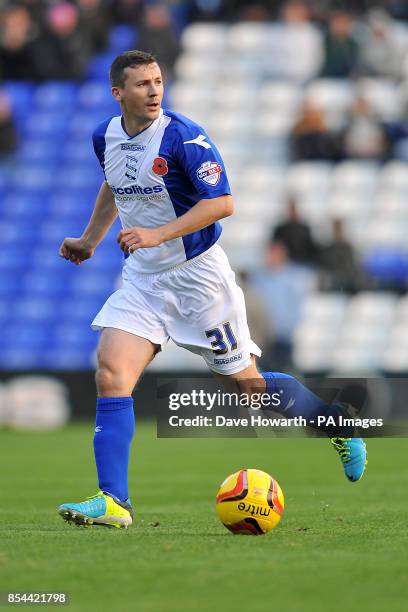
(296, 400)
(115, 426)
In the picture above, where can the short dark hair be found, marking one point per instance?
(128, 59)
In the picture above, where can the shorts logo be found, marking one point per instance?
(209, 172)
(160, 166)
(229, 360)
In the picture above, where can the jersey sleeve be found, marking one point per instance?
(202, 163)
(99, 142)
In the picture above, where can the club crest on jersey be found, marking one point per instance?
(160, 166)
(209, 172)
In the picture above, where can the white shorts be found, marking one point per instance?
(197, 304)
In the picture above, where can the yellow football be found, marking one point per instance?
(250, 502)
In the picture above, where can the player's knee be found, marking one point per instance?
(110, 380)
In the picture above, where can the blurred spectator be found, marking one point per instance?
(8, 135)
(365, 136)
(282, 286)
(17, 36)
(295, 11)
(311, 138)
(340, 46)
(397, 8)
(127, 11)
(157, 36)
(95, 19)
(215, 10)
(295, 235)
(383, 50)
(339, 268)
(63, 50)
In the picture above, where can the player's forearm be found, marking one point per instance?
(103, 216)
(204, 213)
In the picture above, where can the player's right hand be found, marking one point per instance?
(76, 250)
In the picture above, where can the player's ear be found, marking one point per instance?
(116, 94)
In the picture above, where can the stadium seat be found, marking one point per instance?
(68, 358)
(394, 177)
(189, 69)
(33, 308)
(36, 283)
(21, 358)
(395, 359)
(20, 94)
(13, 235)
(81, 176)
(273, 123)
(278, 95)
(121, 38)
(12, 264)
(310, 178)
(34, 178)
(328, 309)
(83, 124)
(83, 284)
(313, 345)
(55, 95)
(370, 307)
(98, 67)
(332, 96)
(23, 205)
(97, 95)
(350, 207)
(79, 152)
(42, 123)
(356, 177)
(352, 358)
(293, 52)
(384, 97)
(43, 150)
(74, 335)
(26, 334)
(248, 38)
(204, 36)
(388, 267)
(389, 232)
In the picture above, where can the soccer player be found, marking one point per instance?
(167, 181)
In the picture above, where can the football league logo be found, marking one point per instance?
(160, 166)
(209, 172)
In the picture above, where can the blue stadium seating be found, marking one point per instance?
(34, 308)
(45, 123)
(388, 267)
(20, 94)
(55, 96)
(122, 38)
(98, 67)
(39, 150)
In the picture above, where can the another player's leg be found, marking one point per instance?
(296, 400)
(122, 358)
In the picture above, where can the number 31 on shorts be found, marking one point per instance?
(222, 338)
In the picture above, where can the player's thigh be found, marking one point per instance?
(122, 358)
(210, 319)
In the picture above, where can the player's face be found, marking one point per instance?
(142, 92)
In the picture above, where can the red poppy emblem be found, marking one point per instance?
(160, 166)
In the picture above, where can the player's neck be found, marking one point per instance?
(134, 125)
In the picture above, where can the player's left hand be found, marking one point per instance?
(135, 238)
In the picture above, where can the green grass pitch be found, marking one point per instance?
(340, 546)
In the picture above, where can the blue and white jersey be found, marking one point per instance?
(157, 176)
